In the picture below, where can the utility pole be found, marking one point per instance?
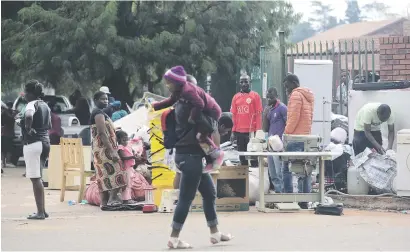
(208, 84)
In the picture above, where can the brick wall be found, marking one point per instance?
(395, 58)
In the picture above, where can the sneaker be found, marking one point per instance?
(218, 161)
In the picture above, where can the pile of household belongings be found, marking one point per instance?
(136, 124)
(138, 118)
(339, 121)
(379, 171)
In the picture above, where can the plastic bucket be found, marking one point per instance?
(158, 193)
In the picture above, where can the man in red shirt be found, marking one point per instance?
(246, 109)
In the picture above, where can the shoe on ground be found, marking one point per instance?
(303, 205)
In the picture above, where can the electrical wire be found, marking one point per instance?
(367, 196)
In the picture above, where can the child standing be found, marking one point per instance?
(204, 114)
(128, 158)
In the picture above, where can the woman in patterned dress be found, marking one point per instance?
(110, 174)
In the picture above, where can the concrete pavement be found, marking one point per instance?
(84, 227)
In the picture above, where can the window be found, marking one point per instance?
(60, 102)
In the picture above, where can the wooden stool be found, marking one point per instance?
(72, 159)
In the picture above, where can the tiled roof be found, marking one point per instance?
(346, 32)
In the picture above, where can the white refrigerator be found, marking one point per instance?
(317, 75)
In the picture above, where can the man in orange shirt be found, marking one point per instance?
(299, 122)
(246, 109)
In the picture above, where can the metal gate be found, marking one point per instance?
(354, 60)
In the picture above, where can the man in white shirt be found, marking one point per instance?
(367, 132)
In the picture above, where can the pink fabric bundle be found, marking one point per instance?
(138, 185)
(92, 194)
(137, 145)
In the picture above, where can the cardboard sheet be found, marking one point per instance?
(133, 121)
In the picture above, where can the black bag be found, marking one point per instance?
(332, 209)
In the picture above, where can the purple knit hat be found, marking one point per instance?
(176, 74)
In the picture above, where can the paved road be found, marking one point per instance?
(84, 227)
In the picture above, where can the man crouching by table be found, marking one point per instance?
(367, 132)
(299, 122)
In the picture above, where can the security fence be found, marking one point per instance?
(354, 60)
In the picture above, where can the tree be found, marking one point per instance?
(378, 10)
(302, 31)
(127, 45)
(322, 18)
(332, 22)
(352, 12)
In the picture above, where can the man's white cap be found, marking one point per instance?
(105, 90)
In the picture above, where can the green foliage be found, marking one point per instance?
(352, 12)
(378, 10)
(302, 31)
(119, 44)
(322, 18)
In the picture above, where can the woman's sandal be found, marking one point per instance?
(176, 243)
(217, 237)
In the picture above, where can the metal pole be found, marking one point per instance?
(283, 62)
(322, 179)
(262, 62)
(261, 185)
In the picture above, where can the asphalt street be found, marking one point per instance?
(85, 227)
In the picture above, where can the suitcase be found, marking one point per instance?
(373, 86)
(332, 209)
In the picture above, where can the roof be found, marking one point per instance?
(345, 32)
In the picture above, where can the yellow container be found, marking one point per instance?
(167, 178)
(156, 134)
(163, 177)
(158, 193)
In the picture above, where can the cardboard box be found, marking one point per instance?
(232, 187)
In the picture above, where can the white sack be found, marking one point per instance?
(338, 134)
(335, 148)
(254, 184)
(377, 170)
(275, 143)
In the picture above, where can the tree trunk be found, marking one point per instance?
(119, 88)
(223, 89)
